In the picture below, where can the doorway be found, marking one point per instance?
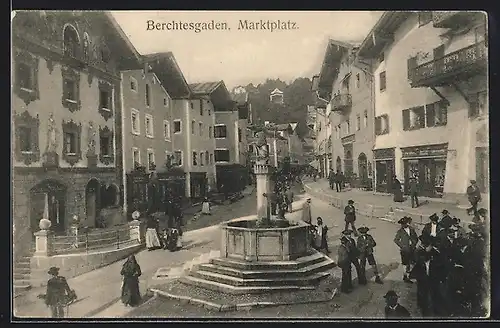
(363, 167)
(92, 201)
(48, 196)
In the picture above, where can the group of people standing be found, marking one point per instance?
(337, 180)
(165, 232)
(448, 265)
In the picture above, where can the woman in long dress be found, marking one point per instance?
(205, 208)
(152, 240)
(131, 271)
(398, 194)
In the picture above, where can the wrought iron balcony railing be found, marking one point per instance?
(452, 19)
(460, 64)
(341, 101)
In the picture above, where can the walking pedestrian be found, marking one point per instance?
(393, 309)
(331, 178)
(366, 244)
(345, 265)
(474, 197)
(58, 294)
(306, 211)
(321, 241)
(152, 240)
(406, 239)
(483, 215)
(396, 190)
(205, 207)
(341, 180)
(131, 271)
(413, 188)
(337, 179)
(350, 216)
(354, 257)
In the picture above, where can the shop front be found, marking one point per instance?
(384, 169)
(428, 165)
(198, 185)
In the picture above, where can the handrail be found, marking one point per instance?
(451, 54)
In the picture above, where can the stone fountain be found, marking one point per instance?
(261, 255)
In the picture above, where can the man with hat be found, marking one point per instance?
(446, 219)
(422, 272)
(406, 238)
(431, 229)
(350, 216)
(483, 215)
(353, 253)
(392, 308)
(345, 265)
(474, 197)
(58, 293)
(366, 243)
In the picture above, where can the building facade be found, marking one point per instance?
(431, 104)
(351, 116)
(147, 124)
(322, 142)
(67, 119)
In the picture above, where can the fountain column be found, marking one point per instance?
(262, 172)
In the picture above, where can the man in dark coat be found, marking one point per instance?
(58, 293)
(338, 181)
(431, 229)
(413, 190)
(422, 273)
(446, 220)
(322, 235)
(345, 264)
(350, 216)
(366, 243)
(393, 309)
(474, 197)
(331, 178)
(354, 256)
(406, 238)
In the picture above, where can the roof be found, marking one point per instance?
(164, 65)
(276, 90)
(122, 35)
(204, 88)
(382, 32)
(240, 98)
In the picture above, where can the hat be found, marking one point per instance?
(403, 220)
(53, 271)
(445, 212)
(319, 219)
(452, 229)
(390, 293)
(363, 229)
(456, 220)
(482, 211)
(472, 181)
(434, 217)
(347, 232)
(350, 201)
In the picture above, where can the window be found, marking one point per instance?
(105, 142)
(166, 129)
(250, 149)
(358, 81)
(136, 157)
(151, 160)
(239, 135)
(222, 155)
(71, 42)
(195, 159)
(166, 102)
(177, 126)
(424, 17)
(209, 132)
(201, 107)
(106, 153)
(413, 118)
(200, 126)
(70, 143)
(192, 105)
(133, 84)
(148, 95)
(149, 125)
(178, 157)
(24, 76)
(206, 157)
(104, 100)
(365, 119)
(382, 81)
(348, 126)
(193, 125)
(220, 131)
(24, 140)
(70, 90)
(436, 114)
(478, 104)
(211, 158)
(411, 64)
(201, 158)
(26, 130)
(358, 122)
(382, 124)
(135, 120)
(105, 54)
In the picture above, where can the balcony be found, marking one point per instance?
(341, 102)
(453, 19)
(458, 65)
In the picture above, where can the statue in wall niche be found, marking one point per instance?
(91, 138)
(51, 135)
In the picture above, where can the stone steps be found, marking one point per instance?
(281, 265)
(238, 290)
(272, 273)
(22, 274)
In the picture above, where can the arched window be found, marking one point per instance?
(71, 41)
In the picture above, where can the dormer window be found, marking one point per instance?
(71, 41)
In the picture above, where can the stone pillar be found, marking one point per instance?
(43, 243)
(262, 171)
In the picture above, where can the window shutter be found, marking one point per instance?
(421, 116)
(406, 119)
(473, 105)
(411, 64)
(430, 114)
(443, 112)
(387, 125)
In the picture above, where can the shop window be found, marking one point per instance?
(72, 142)
(424, 18)
(478, 104)
(220, 131)
(178, 157)
(148, 119)
(195, 159)
(71, 42)
(105, 100)
(436, 114)
(382, 124)
(135, 121)
(26, 142)
(222, 155)
(414, 118)
(177, 126)
(106, 154)
(71, 89)
(382, 81)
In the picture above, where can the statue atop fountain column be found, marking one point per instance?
(262, 172)
(262, 148)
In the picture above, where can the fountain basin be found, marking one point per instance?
(244, 240)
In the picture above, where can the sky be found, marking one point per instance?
(240, 56)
